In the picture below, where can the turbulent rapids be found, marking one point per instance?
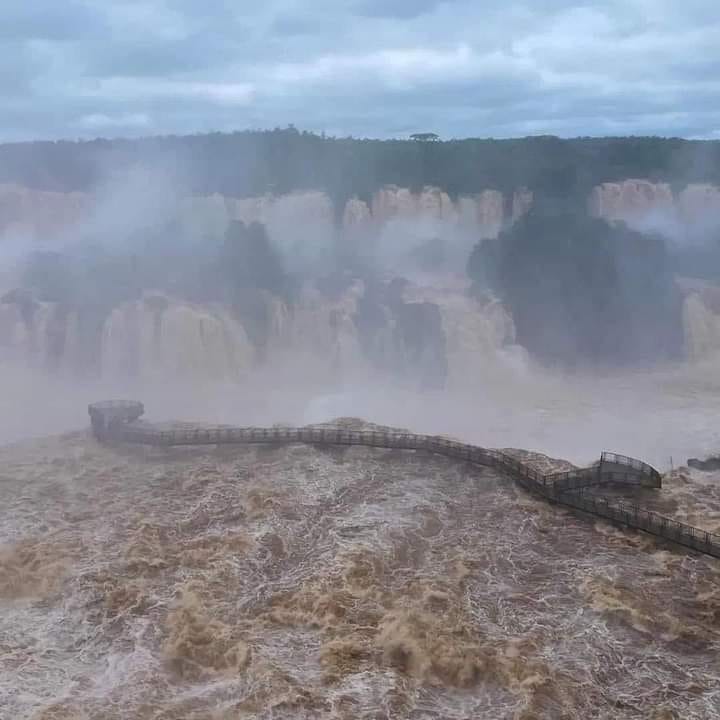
(114, 420)
(344, 571)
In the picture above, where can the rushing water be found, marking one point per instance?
(305, 583)
(298, 582)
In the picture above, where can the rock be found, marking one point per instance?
(709, 465)
(35, 214)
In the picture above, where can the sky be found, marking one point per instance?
(367, 68)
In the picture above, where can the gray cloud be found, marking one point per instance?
(47, 20)
(84, 68)
(153, 57)
(402, 9)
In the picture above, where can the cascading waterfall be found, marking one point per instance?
(13, 331)
(324, 338)
(702, 329)
(156, 337)
(481, 336)
(319, 332)
(26, 333)
(160, 337)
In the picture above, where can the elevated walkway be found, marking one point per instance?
(114, 421)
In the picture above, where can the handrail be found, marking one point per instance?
(608, 457)
(116, 421)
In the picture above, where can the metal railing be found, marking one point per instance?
(648, 521)
(637, 465)
(114, 421)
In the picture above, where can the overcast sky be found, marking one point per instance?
(376, 68)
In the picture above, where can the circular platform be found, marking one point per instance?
(107, 415)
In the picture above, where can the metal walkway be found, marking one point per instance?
(116, 421)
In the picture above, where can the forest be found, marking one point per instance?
(581, 289)
(277, 161)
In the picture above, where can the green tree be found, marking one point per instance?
(581, 289)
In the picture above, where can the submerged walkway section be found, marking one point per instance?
(116, 421)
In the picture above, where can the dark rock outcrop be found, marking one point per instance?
(408, 339)
(708, 465)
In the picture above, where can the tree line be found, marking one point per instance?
(278, 161)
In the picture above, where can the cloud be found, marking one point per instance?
(393, 67)
(101, 121)
(362, 67)
(152, 90)
(48, 20)
(400, 9)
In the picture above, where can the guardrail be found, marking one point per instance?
(648, 521)
(115, 421)
(637, 465)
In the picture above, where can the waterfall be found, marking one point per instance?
(409, 335)
(318, 334)
(161, 338)
(31, 333)
(480, 334)
(14, 332)
(702, 329)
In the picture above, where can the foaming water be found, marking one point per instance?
(302, 582)
(299, 582)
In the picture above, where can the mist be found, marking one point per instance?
(279, 309)
(664, 416)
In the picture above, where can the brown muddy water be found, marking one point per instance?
(302, 582)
